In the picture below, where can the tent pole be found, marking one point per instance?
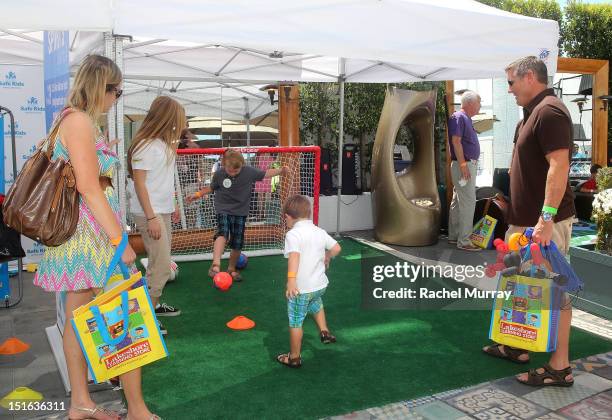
(112, 120)
(221, 120)
(340, 143)
(114, 50)
(121, 135)
(247, 117)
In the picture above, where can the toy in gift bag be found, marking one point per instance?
(528, 319)
(482, 233)
(118, 331)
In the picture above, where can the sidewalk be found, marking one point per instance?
(589, 398)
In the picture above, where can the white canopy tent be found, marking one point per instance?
(381, 41)
(202, 98)
(319, 41)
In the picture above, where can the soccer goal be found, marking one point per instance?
(192, 235)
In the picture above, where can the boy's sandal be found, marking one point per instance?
(327, 338)
(285, 359)
(548, 377)
(235, 275)
(510, 353)
(91, 412)
(212, 272)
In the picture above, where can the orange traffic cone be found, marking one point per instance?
(241, 323)
(13, 346)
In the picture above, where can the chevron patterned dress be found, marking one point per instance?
(82, 261)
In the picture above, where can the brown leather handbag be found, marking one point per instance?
(43, 203)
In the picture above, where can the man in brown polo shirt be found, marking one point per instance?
(541, 196)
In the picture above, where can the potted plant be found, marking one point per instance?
(594, 263)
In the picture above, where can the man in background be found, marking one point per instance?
(465, 150)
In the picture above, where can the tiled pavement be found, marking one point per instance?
(589, 398)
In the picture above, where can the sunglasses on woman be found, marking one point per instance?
(118, 92)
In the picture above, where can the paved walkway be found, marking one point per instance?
(589, 398)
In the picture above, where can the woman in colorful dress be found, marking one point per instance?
(78, 267)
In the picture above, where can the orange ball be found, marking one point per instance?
(513, 241)
(223, 281)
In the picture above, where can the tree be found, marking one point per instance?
(589, 35)
(319, 112)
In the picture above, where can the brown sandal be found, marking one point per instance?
(285, 359)
(510, 353)
(557, 377)
(212, 272)
(327, 338)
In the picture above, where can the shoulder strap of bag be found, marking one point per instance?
(486, 207)
(51, 138)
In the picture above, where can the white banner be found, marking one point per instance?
(22, 91)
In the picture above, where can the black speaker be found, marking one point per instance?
(326, 187)
(351, 170)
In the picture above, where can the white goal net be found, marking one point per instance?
(192, 235)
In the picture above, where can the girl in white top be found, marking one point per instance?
(151, 164)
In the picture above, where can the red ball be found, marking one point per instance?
(223, 281)
(490, 271)
(498, 266)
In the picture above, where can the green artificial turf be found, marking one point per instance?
(380, 357)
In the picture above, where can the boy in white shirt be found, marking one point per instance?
(309, 250)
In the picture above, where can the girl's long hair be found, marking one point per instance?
(96, 76)
(165, 121)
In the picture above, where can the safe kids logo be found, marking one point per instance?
(8, 177)
(35, 249)
(32, 105)
(28, 153)
(11, 81)
(19, 132)
(544, 53)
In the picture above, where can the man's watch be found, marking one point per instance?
(547, 216)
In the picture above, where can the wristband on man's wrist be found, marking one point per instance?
(291, 274)
(151, 218)
(549, 209)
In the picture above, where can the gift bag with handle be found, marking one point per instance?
(118, 331)
(529, 318)
(484, 229)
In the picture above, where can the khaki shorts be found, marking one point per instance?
(562, 233)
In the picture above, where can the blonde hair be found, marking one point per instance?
(297, 206)
(165, 121)
(95, 77)
(233, 159)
